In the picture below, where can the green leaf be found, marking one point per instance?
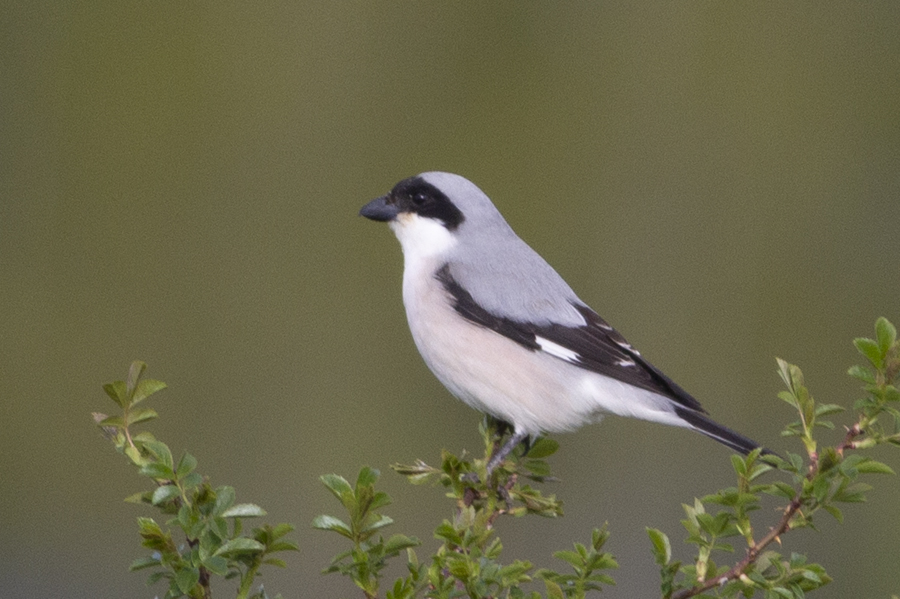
(116, 390)
(165, 493)
(158, 471)
(145, 389)
(553, 590)
(283, 546)
(244, 510)
(367, 477)
(186, 578)
(279, 530)
(138, 416)
(874, 467)
(224, 499)
(852, 493)
(662, 548)
(885, 333)
(542, 448)
(398, 543)
(216, 564)
(191, 480)
(116, 421)
(827, 409)
(338, 485)
(160, 451)
(240, 545)
(334, 524)
(274, 561)
(144, 562)
(134, 454)
(377, 521)
(862, 374)
(134, 375)
(836, 512)
(870, 350)
(186, 465)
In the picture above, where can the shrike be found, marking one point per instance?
(505, 333)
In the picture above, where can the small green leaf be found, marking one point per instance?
(542, 448)
(379, 521)
(158, 471)
(274, 561)
(279, 530)
(886, 334)
(186, 578)
(870, 350)
(240, 545)
(134, 454)
(862, 374)
(144, 562)
(874, 467)
(165, 493)
(148, 526)
(283, 546)
(338, 485)
(838, 515)
(191, 480)
(333, 524)
(145, 389)
(367, 477)
(244, 510)
(662, 548)
(186, 465)
(398, 543)
(134, 375)
(224, 499)
(553, 590)
(216, 564)
(138, 416)
(160, 451)
(116, 421)
(117, 392)
(827, 409)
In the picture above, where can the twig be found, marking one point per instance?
(783, 525)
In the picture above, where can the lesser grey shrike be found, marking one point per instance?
(504, 332)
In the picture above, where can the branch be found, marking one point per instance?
(774, 533)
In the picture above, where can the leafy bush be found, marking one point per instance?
(203, 536)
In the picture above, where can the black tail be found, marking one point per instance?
(704, 424)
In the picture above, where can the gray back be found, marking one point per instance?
(490, 261)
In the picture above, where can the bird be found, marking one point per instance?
(504, 333)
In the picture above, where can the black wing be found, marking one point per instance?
(595, 346)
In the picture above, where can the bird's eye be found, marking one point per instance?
(419, 199)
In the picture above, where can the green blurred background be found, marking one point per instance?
(179, 183)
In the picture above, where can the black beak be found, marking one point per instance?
(379, 209)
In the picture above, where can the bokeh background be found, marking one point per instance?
(179, 183)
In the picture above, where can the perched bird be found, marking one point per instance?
(504, 332)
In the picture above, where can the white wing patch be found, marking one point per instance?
(555, 349)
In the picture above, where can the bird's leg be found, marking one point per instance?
(510, 444)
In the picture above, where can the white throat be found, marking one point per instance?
(421, 238)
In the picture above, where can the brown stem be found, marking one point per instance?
(783, 525)
(752, 554)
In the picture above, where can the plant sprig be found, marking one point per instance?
(468, 560)
(820, 478)
(207, 518)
